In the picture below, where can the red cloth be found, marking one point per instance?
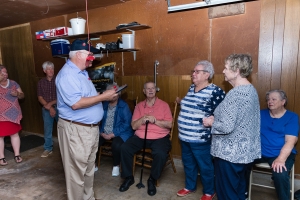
(9, 128)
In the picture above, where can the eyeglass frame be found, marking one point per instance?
(198, 71)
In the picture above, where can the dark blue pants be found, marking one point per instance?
(230, 179)
(196, 156)
(281, 180)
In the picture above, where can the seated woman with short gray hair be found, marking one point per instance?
(116, 125)
(279, 134)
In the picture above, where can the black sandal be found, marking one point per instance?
(4, 162)
(18, 159)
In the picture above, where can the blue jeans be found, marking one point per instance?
(197, 156)
(48, 127)
(281, 180)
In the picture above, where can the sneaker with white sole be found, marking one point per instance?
(46, 153)
(115, 171)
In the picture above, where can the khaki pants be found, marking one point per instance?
(78, 147)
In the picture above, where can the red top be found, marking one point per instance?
(160, 110)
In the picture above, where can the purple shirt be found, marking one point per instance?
(47, 89)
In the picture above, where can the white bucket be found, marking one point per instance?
(128, 41)
(78, 25)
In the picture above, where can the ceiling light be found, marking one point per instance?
(205, 3)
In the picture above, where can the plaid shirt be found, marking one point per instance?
(47, 89)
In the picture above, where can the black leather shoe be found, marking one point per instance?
(126, 184)
(151, 186)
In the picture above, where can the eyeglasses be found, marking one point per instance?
(198, 71)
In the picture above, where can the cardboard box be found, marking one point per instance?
(60, 31)
(49, 33)
(39, 35)
(60, 46)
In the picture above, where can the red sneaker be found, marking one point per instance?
(183, 192)
(206, 197)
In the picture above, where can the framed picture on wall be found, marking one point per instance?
(102, 76)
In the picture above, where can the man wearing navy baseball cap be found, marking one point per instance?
(80, 111)
(79, 44)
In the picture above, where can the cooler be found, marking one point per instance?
(60, 46)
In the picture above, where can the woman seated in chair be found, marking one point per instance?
(279, 134)
(116, 125)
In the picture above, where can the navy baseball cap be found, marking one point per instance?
(79, 44)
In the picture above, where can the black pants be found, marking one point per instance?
(160, 148)
(115, 147)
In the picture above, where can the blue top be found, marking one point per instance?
(194, 107)
(71, 85)
(122, 120)
(274, 130)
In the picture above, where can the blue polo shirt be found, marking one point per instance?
(274, 130)
(71, 85)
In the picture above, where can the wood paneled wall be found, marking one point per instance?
(279, 53)
(17, 56)
(269, 31)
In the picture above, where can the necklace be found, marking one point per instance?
(6, 84)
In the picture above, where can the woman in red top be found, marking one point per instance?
(10, 114)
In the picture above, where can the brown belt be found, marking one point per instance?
(82, 124)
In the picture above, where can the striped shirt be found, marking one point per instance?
(194, 107)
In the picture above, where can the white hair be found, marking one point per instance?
(47, 64)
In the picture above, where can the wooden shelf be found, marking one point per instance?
(103, 52)
(98, 34)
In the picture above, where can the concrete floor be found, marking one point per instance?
(39, 178)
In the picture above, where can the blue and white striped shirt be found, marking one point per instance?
(194, 107)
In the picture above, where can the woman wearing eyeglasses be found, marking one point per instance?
(200, 101)
(235, 129)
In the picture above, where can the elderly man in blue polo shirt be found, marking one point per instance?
(80, 111)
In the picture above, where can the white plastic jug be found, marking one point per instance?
(78, 25)
(128, 41)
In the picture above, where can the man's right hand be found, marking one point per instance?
(108, 95)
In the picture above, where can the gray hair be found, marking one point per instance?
(111, 86)
(243, 62)
(46, 64)
(281, 93)
(207, 66)
(72, 54)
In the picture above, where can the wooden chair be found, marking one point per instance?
(137, 160)
(105, 149)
